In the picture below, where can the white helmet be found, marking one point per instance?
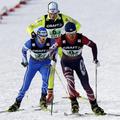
(53, 7)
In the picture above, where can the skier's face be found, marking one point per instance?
(53, 16)
(41, 40)
(71, 35)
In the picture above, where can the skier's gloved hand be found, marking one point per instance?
(96, 62)
(53, 63)
(52, 56)
(24, 64)
(33, 35)
(50, 96)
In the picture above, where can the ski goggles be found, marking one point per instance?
(73, 32)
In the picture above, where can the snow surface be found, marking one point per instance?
(100, 22)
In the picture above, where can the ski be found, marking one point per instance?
(45, 110)
(106, 114)
(73, 114)
(54, 103)
(90, 114)
(5, 111)
(36, 109)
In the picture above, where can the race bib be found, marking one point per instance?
(72, 53)
(54, 33)
(39, 56)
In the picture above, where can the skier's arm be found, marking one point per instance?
(39, 22)
(25, 48)
(92, 45)
(69, 19)
(56, 44)
(53, 49)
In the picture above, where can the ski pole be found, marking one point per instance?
(61, 81)
(96, 81)
(51, 111)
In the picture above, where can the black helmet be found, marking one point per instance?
(70, 27)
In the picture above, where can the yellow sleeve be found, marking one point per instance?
(68, 18)
(38, 23)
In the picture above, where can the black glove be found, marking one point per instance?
(33, 35)
(97, 62)
(52, 56)
(24, 64)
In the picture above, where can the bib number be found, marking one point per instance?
(72, 53)
(39, 56)
(55, 33)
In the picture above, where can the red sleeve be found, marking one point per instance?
(87, 42)
(58, 41)
(90, 43)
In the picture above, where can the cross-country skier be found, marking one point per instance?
(39, 61)
(72, 44)
(54, 22)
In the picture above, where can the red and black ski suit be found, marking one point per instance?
(72, 60)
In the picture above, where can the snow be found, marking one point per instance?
(100, 23)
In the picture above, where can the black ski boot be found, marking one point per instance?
(96, 109)
(74, 105)
(15, 106)
(43, 103)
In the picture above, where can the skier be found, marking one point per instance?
(54, 22)
(72, 44)
(39, 61)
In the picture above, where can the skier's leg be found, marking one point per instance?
(51, 76)
(29, 74)
(26, 83)
(68, 73)
(52, 69)
(83, 76)
(45, 71)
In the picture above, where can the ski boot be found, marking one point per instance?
(15, 106)
(96, 109)
(74, 106)
(43, 103)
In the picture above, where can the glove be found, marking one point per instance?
(96, 62)
(50, 96)
(52, 56)
(52, 63)
(24, 64)
(33, 35)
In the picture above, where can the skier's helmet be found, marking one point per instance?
(53, 7)
(70, 27)
(42, 32)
